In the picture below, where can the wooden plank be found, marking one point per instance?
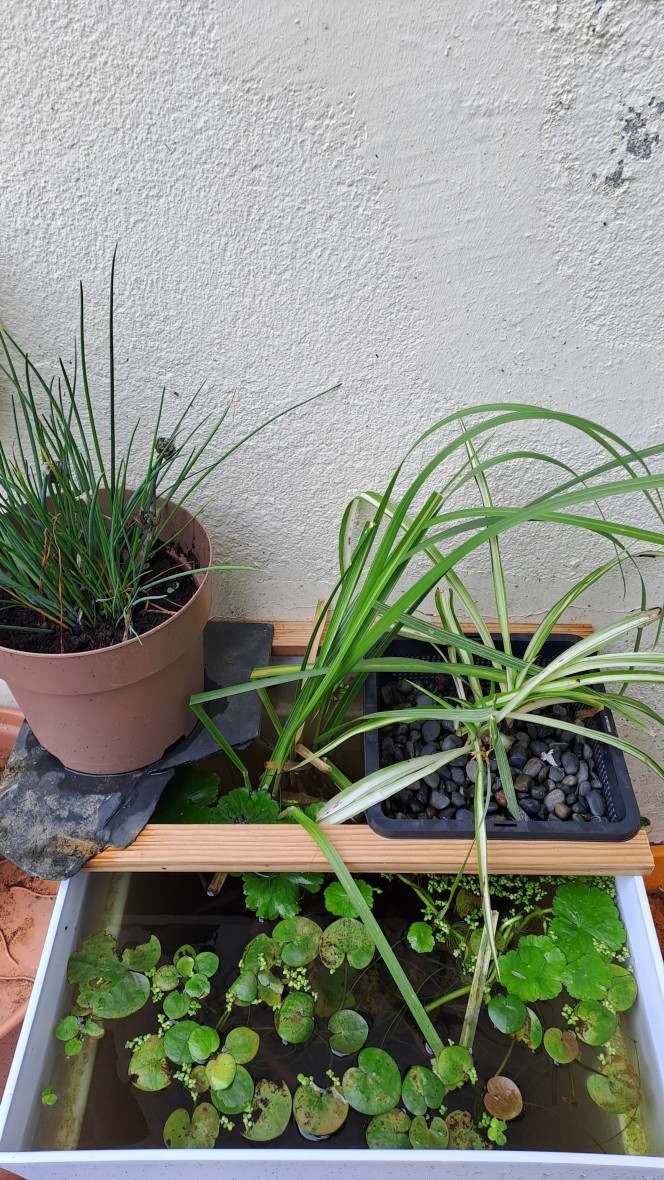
(177, 848)
(291, 636)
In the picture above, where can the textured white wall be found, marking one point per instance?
(436, 203)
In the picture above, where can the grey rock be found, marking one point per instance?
(422, 795)
(416, 808)
(465, 818)
(544, 773)
(422, 701)
(596, 803)
(462, 760)
(452, 742)
(457, 799)
(583, 772)
(410, 749)
(458, 775)
(533, 767)
(571, 798)
(517, 757)
(584, 789)
(386, 695)
(538, 792)
(553, 797)
(439, 800)
(556, 774)
(570, 780)
(570, 762)
(492, 807)
(530, 806)
(445, 773)
(431, 780)
(562, 811)
(471, 769)
(578, 819)
(580, 807)
(429, 748)
(543, 812)
(538, 747)
(588, 753)
(523, 782)
(431, 731)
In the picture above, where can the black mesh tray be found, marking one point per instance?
(622, 808)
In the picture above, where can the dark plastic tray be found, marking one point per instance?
(622, 808)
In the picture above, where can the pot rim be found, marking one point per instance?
(131, 643)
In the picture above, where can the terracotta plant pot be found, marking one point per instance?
(117, 709)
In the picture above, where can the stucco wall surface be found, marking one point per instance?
(437, 204)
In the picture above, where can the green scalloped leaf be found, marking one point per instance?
(188, 797)
(583, 915)
(623, 990)
(420, 938)
(277, 895)
(534, 969)
(338, 902)
(587, 978)
(243, 806)
(121, 997)
(96, 959)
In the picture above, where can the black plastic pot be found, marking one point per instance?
(622, 808)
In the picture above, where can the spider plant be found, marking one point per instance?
(76, 545)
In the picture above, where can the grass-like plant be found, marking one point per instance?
(76, 543)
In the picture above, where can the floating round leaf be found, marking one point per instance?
(294, 1021)
(462, 1132)
(90, 1029)
(185, 966)
(121, 997)
(319, 1112)
(349, 1031)
(203, 1043)
(533, 971)
(561, 1045)
(197, 986)
(166, 978)
(346, 939)
(206, 963)
(428, 1137)
(503, 1098)
(374, 1085)
(200, 1079)
(454, 1066)
(583, 915)
(420, 938)
(176, 1005)
(220, 1071)
(421, 1090)
(184, 952)
(507, 1013)
(95, 960)
(176, 1041)
(595, 1023)
(199, 1131)
(73, 1047)
(143, 957)
(531, 1031)
(299, 939)
(270, 1111)
(261, 953)
(338, 902)
(66, 1028)
(389, 1131)
(148, 1068)
(332, 991)
(616, 1087)
(587, 978)
(623, 990)
(243, 1044)
(244, 990)
(270, 988)
(238, 1095)
(467, 902)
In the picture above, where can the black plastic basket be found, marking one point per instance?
(622, 808)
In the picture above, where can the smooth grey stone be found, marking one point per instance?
(559, 711)
(538, 747)
(493, 765)
(596, 803)
(457, 799)
(578, 819)
(458, 775)
(471, 769)
(533, 767)
(431, 731)
(410, 749)
(415, 730)
(431, 780)
(556, 774)
(416, 808)
(571, 798)
(517, 757)
(386, 695)
(557, 756)
(588, 753)
(422, 701)
(429, 748)
(570, 780)
(452, 742)
(462, 760)
(562, 810)
(595, 783)
(570, 762)
(447, 726)
(439, 800)
(445, 773)
(544, 773)
(465, 818)
(492, 807)
(584, 789)
(422, 795)
(583, 772)
(543, 812)
(538, 792)
(553, 797)
(580, 808)
(523, 782)
(530, 806)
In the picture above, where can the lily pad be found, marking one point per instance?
(143, 957)
(623, 990)
(90, 1029)
(148, 1068)
(507, 1013)
(66, 1028)
(454, 1066)
(595, 1023)
(332, 991)
(389, 1131)
(338, 902)
(199, 1131)
(166, 978)
(186, 951)
(270, 1111)
(346, 939)
(433, 1136)
(298, 938)
(244, 990)
(197, 986)
(294, 1021)
(319, 1112)
(176, 1042)
(270, 989)
(237, 1096)
(587, 978)
(531, 1031)
(421, 1090)
(206, 963)
(243, 1044)
(503, 1098)
(121, 997)
(533, 971)
(203, 1043)
(221, 1071)
(73, 1047)
(176, 1005)
(561, 1045)
(200, 1079)
(584, 915)
(420, 938)
(349, 1031)
(261, 953)
(185, 966)
(95, 960)
(616, 1087)
(374, 1085)
(462, 1132)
